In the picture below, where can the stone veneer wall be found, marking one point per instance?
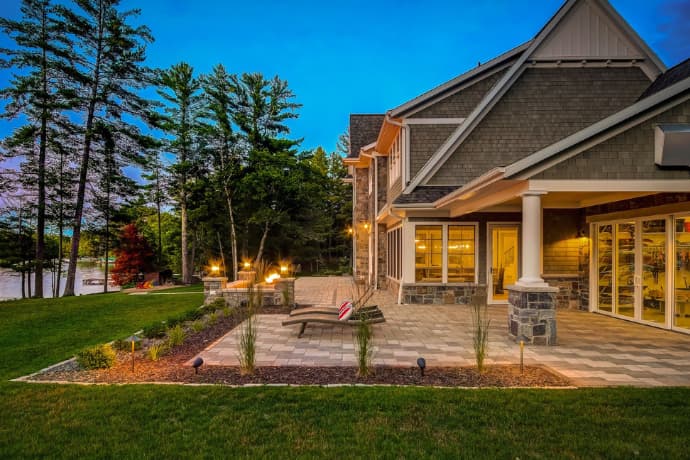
(569, 290)
(382, 256)
(360, 214)
(440, 294)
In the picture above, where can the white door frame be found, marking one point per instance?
(489, 256)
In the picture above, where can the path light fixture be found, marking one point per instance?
(197, 364)
(133, 339)
(215, 270)
(522, 351)
(421, 362)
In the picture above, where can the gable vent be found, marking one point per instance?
(672, 145)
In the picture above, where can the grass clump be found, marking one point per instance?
(97, 357)
(212, 318)
(480, 330)
(198, 325)
(176, 336)
(364, 346)
(157, 350)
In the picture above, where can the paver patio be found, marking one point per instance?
(592, 349)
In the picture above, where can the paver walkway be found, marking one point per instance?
(593, 349)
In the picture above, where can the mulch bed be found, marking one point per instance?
(173, 367)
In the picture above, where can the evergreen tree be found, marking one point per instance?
(181, 91)
(109, 71)
(38, 93)
(222, 144)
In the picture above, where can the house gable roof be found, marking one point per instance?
(632, 115)
(672, 76)
(364, 130)
(410, 107)
(494, 95)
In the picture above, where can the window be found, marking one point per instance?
(395, 158)
(428, 240)
(461, 253)
(394, 266)
(446, 253)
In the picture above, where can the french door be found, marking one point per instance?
(502, 260)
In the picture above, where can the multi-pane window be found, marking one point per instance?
(446, 253)
(461, 253)
(428, 240)
(395, 159)
(394, 267)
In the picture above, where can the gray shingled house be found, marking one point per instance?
(553, 176)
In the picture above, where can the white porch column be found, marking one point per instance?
(531, 240)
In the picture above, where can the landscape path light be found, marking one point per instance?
(133, 339)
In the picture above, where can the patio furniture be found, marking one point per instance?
(334, 310)
(329, 318)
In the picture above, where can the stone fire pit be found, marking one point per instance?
(236, 293)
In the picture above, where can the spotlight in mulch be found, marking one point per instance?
(421, 362)
(197, 364)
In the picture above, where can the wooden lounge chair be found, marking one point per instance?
(329, 318)
(334, 310)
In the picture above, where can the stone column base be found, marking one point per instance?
(532, 314)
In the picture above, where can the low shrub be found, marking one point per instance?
(155, 330)
(176, 336)
(212, 318)
(198, 325)
(227, 311)
(157, 350)
(97, 357)
(217, 304)
(126, 345)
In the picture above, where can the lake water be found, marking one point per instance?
(11, 288)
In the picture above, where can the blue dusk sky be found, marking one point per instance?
(362, 56)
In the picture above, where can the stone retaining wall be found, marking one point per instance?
(532, 314)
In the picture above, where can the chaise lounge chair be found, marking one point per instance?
(376, 316)
(334, 310)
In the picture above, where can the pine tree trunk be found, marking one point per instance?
(233, 235)
(160, 233)
(260, 254)
(28, 283)
(23, 286)
(186, 275)
(41, 214)
(81, 191)
(107, 239)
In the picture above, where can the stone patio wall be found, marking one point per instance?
(440, 294)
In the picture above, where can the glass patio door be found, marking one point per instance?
(502, 260)
(631, 269)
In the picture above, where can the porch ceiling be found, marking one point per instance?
(504, 195)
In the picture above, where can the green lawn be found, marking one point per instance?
(148, 421)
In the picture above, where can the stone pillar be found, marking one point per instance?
(285, 291)
(531, 301)
(532, 314)
(213, 287)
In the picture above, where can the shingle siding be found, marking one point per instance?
(629, 155)
(542, 107)
(424, 141)
(364, 129)
(460, 104)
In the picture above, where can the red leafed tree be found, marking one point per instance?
(134, 256)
